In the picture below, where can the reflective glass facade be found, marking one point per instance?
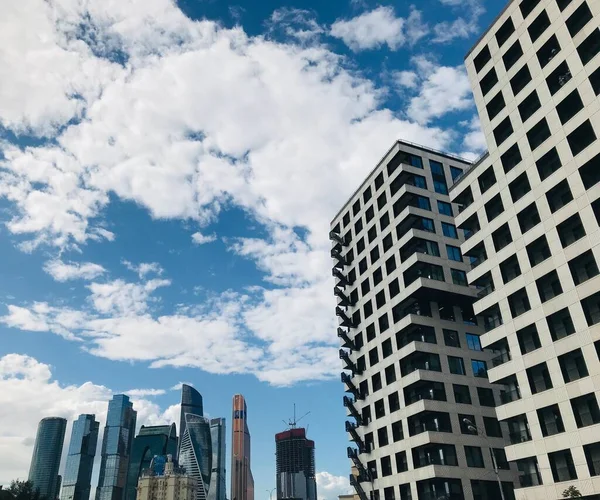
(191, 402)
(217, 490)
(116, 448)
(195, 452)
(80, 461)
(242, 482)
(45, 461)
(160, 440)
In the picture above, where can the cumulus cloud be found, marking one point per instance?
(461, 27)
(200, 239)
(139, 393)
(330, 487)
(298, 24)
(144, 268)
(63, 271)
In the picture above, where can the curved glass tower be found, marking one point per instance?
(116, 447)
(191, 402)
(80, 461)
(159, 440)
(45, 461)
(217, 490)
(195, 452)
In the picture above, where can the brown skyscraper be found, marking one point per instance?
(242, 482)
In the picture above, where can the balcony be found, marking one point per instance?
(411, 306)
(492, 318)
(429, 421)
(539, 378)
(477, 255)
(434, 454)
(424, 389)
(405, 177)
(423, 270)
(571, 230)
(494, 208)
(502, 237)
(501, 351)
(413, 221)
(464, 199)
(419, 245)
(538, 251)
(511, 391)
(518, 429)
(415, 333)
(420, 361)
(470, 226)
(485, 285)
(409, 199)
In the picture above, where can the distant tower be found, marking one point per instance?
(242, 482)
(150, 441)
(80, 460)
(45, 461)
(217, 489)
(191, 402)
(116, 448)
(295, 463)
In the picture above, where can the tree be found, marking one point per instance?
(20, 490)
(571, 492)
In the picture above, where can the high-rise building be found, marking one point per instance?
(531, 207)
(116, 448)
(164, 480)
(195, 452)
(242, 482)
(191, 402)
(151, 441)
(295, 465)
(423, 419)
(80, 460)
(218, 489)
(47, 452)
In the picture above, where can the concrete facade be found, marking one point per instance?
(415, 373)
(172, 484)
(532, 210)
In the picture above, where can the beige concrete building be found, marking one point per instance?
(531, 211)
(171, 484)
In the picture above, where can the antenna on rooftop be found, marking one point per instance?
(293, 422)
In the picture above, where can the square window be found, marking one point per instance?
(560, 324)
(589, 47)
(538, 134)
(449, 230)
(527, 7)
(488, 82)
(459, 277)
(512, 55)
(528, 218)
(456, 365)
(558, 78)
(581, 137)
(445, 208)
(503, 131)
(538, 26)
(548, 164)
(390, 265)
(454, 253)
(474, 456)
(379, 181)
(520, 80)
(473, 342)
(486, 397)
(504, 32)
(381, 201)
(569, 107)
(482, 58)
(529, 106)
(548, 51)
(451, 338)
(455, 173)
(479, 368)
(496, 105)
(579, 19)
(356, 207)
(511, 158)
(369, 214)
(461, 394)
(559, 196)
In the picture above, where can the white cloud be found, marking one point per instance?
(299, 24)
(63, 271)
(140, 393)
(371, 30)
(475, 141)
(144, 268)
(330, 487)
(29, 393)
(460, 27)
(200, 239)
(408, 79)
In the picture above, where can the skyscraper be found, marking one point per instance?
(295, 464)
(217, 490)
(242, 482)
(420, 405)
(47, 452)
(116, 448)
(196, 453)
(532, 208)
(191, 402)
(152, 440)
(80, 460)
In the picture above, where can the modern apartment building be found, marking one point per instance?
(45, 460)
(420, 406)
(80, 460)
(531, 209)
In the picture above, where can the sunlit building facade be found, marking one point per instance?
(80, 460)
(242, 482)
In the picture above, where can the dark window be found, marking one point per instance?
(364, 287)
(570, 230)
(356, 207)
(380, 299)
(538, 134)
(548, 164)
(394, 402)
(558, 78)
(585, 410)
(388, 242)
(527, 7)
(386, 466)
(451, 338)
(467, 424)
(589, 47)
(488, 82)
(461, 394)
(474, 456)
(372, 234)
(529, 106)
(459, 277)
(528, 218)
(473, 342)
(539, 378)
(382, 437)
(519, 303)
(346, 219)
(563, 4)
(370, 213)
(381, 201)
(456, 365)
(492, 427)
(519, 187)
(397, 432)
(529, 339)
(444, 208)
(548, 51)
(486, 180)
(376, 382)
(502, 237)
(579, 19)
(384, 221)
(559, 196)
(482, 58)
(394, 288)
(562, 466)
(368, 309)
(455, 173)
(504, 32)
(595, 81)
(379, 181)
(583, 267)
(572, 366)
(520, 80)
(362, 266)
(590, 172)
(496, 105)
(454, 253)
(581, 137)
(386, 348)
(384, 323)
(591, 308)
(388, 493)
(373, 356)
(560, 324)
(538, 26)
(549, 286)
(379, 408)
(372, 467)
(510, 269)
(449, 230)
(511, 158)
(569, 107)
(486, 397)
(503, 131)
(374, 254)
(479, 368)
(401, 464)
(377, 276)
(367, 195)
(512, 55)
(390, 264)
(390, 374)
(405, 491)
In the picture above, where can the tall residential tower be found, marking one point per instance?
(116, 448)
(419, 402)
(242, 482)
(80, 460)
(47, 452)
(532, 208)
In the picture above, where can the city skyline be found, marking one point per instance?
(242, 481)
(45, 460)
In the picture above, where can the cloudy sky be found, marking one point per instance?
(168, 171)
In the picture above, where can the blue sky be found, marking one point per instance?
(167, 175)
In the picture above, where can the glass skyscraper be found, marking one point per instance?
(45, 461)
(242, 482)
(159, 440)
(217, 490)
(195, 452)
(116, 448)
(191, 402)
(80, 460)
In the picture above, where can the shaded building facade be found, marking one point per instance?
(195, 452)
(45, 461)
(80, 460)
(242, 482)
(295, 462)
(191, 402)
(217, 490)
(116, 448)
(151, 441)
